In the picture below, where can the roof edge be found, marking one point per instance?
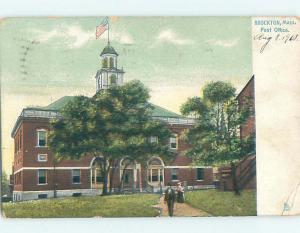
(249, 81)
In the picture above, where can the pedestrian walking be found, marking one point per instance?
(170, 197)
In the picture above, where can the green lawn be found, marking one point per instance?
(138, 205)
(219, 203)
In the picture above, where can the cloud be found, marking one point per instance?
(76, 35)
(122, 37)
(79, 37)
(223, 43)
(169, 36)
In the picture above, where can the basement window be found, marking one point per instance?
(42, 196)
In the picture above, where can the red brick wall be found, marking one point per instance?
(245, 167)
(28, 157)
(31, 150)
(189, 175)
(18, 150)
(247, 96)
(64, 180)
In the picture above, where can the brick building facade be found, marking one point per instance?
(37, 175)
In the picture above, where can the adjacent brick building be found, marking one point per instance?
(246, 168)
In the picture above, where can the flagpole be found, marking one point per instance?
(108, 32)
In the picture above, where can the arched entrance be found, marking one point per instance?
(96, 175)
(130, 175)
(155, 172)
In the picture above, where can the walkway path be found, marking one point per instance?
(181, 210)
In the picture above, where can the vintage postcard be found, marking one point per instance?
(150, 116)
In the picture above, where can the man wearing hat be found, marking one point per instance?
(170, 197)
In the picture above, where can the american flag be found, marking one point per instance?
(102, 27)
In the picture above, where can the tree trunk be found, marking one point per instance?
(111, 179)
(235, 182)
(105, 172)
(54, 180)
(104, 188)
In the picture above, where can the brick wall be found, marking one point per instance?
(64, 180)
(26, 155)
(190, 176)
(246, 96)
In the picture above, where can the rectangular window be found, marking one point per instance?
(161, 175)
(42, 177)
(42, 196)
(173, 142)
(126, 178)
(42, 157)
(21, 133)
(174, 173)
(154, 175)
(41, 138)
(76, 176)
(200, 173)
(153, 139)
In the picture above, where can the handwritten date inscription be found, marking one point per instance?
(266, 39)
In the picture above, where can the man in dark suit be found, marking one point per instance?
(170, 197)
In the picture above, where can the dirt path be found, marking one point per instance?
(181, 210)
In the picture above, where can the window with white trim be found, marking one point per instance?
(153, 139)
(41, 137)
(42, 157)
(173, 142)
(200, 173)
(174, 174)
(42, 176)
(76, 176)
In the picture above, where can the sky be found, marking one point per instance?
(43, 59)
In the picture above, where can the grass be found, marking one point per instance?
(138, 205)
(219, 203)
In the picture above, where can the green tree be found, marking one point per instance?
(4, 184)
(113, 124)
(215, 139)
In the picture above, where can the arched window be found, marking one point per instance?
(113, 79)
(155, 170)
(111, 62)
(104, 62)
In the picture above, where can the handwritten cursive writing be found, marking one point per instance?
(279, 37)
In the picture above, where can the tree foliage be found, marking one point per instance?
(4, 184)
(215, 139)
(113, 124)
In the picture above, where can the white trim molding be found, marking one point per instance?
(50, 168)
(41, 160)
(186, 167)
(33, 195)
